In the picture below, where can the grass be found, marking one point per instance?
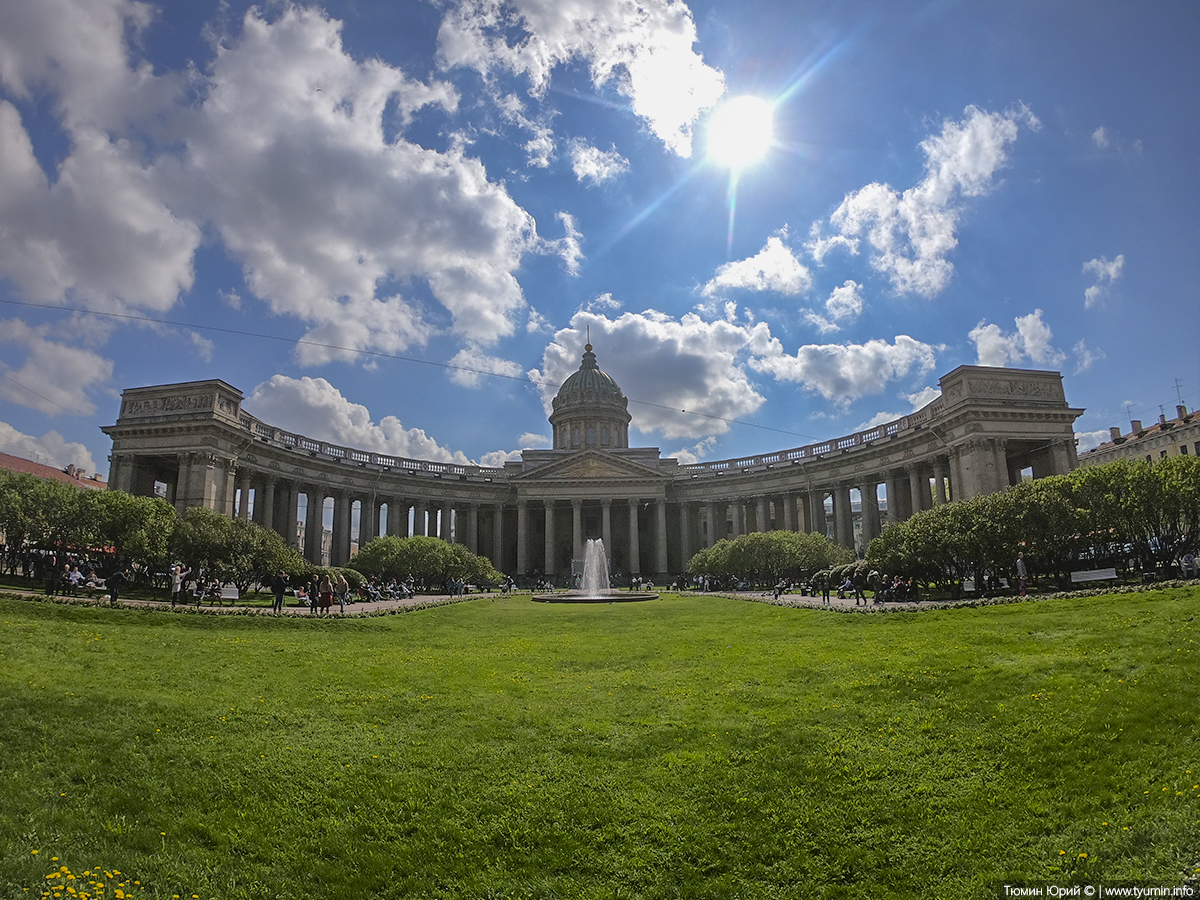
(690, 747)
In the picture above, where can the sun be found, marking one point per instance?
(739, 132)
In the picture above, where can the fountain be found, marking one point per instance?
(594, 586)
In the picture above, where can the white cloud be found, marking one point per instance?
(1085, 357)
(671, 365)
(537, 322)
(99, 235)
(204, 347)
(845, 372)
(912, 233)
(530, 439)
(643, 49)
(844, 302)
(54, 377)
(595, 165)
(923, 397)
(315, 408)
(1031, 340)
(541, 147)
(1088, 440)
(1106, 139)
(288, 157)
(475, 364)
(1103, 271)
(603, 303)
(818, 247)
(495, 459)
(819, 322)
(917, 400)
(293, 152)
(51, 449)
(688, 456)
(773, 268)
(570, 246)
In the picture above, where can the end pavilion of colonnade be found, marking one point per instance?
(193, 444)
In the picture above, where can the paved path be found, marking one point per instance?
(294, 610)
(426, 600)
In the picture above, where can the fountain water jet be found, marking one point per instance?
(594, 586)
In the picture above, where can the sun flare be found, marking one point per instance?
(740, 132)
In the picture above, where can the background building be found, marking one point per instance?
(1166, 437)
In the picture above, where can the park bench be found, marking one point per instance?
(1085, 575)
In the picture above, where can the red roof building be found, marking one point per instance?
(69, 475)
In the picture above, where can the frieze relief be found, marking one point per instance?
(158, 406)
(998, 388)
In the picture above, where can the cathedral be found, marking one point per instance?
(193, 444)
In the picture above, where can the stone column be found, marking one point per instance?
(419, 527)
(870, 510)
(267, 516)
(918, 488)
(843, 517)
(243, 487)
(523, 537)
(225, 496)
(577, 529)
(498, 536)
(606, 526)
(182, 480)
(660, 536)
(288, 522)
(686, 517)
(339, 549)
(761, 515)
(710, 521)
(939, 480)
(550, 567)
(403, 509)
(313, 524)
(984, 466)
(473, 528)
(735, 510)
(209, 488)
(368, 519)
(787, 503)
(816, 506)
(635, 557)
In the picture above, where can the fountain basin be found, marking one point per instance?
(594, 586)
(585, 597)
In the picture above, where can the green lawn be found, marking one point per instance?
(689, 747)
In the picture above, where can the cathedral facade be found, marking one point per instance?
(193, 444)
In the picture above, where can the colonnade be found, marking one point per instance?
(655, 535)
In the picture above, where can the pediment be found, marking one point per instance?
(592, 464)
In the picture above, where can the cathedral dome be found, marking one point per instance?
(590, 410)
(589, 383)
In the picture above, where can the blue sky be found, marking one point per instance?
(391, 224)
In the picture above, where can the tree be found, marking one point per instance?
(431, 561)
(233, 550)
(138, 529)
(767, 557)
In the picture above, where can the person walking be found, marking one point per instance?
(326, 595)
(178, 574)
(115, 583)
(343, 588)
(1022, 572)
(279, 588)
